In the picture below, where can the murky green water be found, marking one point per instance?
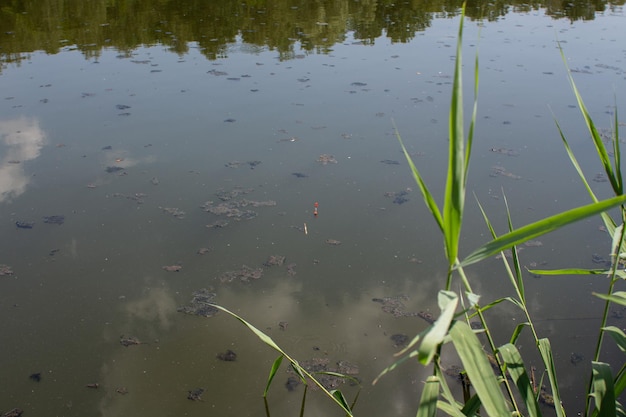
(179, 130)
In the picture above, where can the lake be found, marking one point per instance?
(157, 154)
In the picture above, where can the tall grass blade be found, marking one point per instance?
(608, 221)
(548, 361)
(539, 228)
(478, 369)
(426, 194)
(615, 178)
(428, 401)
(515, 368)
(273, 371)
(447, 303)
(299, 370)
(454, 198)
(603, 392)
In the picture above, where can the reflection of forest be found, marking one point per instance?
(315, 25)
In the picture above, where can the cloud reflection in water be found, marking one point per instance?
(22, 140)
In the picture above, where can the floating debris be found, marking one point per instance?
(245, 274)
(600, 177)
(283, 325)
(122, 107)
(292, 383)
(326, 159)
(113, 169)
(93, 385)
(203, 251)
(154, 181)
(24, 224)
(195, 394)
(129, 341)
(253, 164)
(217, 224)
(228, 356)
(399, 340)
(395, 305)
(5, 270)
(576, 358)
(200, 304)
(390, 162)
(333, 242)
(122, 390)
(291, 269)
(274, 260)
(299, 175)
(504, 151)
(533, 243)
(35, 376)
(16, 412)
(138, 198)
(232, 207)
(172, 268)
(174, 211)
(501, 171)
(58, 219)
(399, 197)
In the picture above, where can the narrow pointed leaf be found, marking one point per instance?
(603, 392)
(340, 399)
(539, 228)
(428, 402)
(614, 179)
(569, 271)
(608, 221)
(426, 194)
(475, 362)
(273, 371)
(515, 368)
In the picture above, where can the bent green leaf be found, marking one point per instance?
(540, 228)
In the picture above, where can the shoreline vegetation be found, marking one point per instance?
(284, 26)
(496, 379)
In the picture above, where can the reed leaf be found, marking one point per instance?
(430, 344)
(454, 197)
(618, 336)
(603, 391)
(615, 178)
(608, 221)
(478, 369)
(268, 341)
(540, 228)
(569, 271)
(428, 401)
(452, 407)
(548, 361)
(618, 297)
(426, 194)
(515, 368)
(273, 371)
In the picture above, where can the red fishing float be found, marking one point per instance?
(316, 205)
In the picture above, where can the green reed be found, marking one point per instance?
(512, 389)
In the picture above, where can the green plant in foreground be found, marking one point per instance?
(511, 390)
